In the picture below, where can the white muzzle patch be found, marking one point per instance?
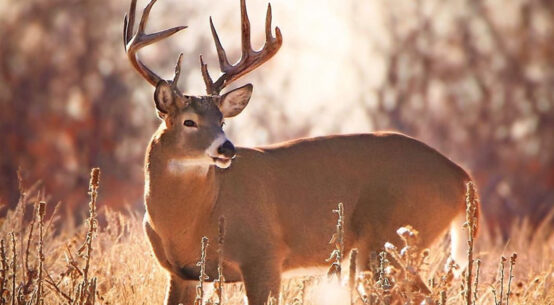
(218, 159)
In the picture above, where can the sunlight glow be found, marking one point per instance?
(331, 293)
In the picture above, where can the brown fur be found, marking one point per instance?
(277, 203)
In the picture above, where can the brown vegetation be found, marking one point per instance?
(112, 264)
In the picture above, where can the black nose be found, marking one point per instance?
(227, 149)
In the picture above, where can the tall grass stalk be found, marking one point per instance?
(40, 215)
(352, 275)
(202, 277)
(3, 272)
(510, 277)
(14, 268)
(91, 222)
(337, 240)
(475, 287)
(218, 283)
(471, 225)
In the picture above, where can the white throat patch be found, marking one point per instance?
(187, 166)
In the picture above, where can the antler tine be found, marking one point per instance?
(223, 61)
(268, 36)
(125, 25)
(249, 60)
(268, 18)
(206, 76)
(177, 72)
(129, 24)
(245, 30)
(140, 40)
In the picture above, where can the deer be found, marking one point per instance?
(276, 199)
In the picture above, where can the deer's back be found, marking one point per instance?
(384, 180)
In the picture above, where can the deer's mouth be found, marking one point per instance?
(221, 161)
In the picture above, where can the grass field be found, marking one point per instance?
(107, 260)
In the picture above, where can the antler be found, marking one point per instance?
(134, 43)
(249, 60)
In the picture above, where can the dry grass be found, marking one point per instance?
(53, 261)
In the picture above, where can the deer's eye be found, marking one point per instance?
(190, 123)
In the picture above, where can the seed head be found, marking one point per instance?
(94, 177)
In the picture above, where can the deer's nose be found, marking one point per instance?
(227, 149)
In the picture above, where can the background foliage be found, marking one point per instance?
(474, 79)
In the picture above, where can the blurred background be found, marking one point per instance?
(474, 79)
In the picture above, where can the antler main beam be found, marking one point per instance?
(134, 43)
(249, 60)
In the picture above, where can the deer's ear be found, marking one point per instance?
(164, 98)
(233, 102)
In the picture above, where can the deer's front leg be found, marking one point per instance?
(180, 291)
(262, 278)
(156, 244)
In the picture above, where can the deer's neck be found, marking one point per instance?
(177, 187)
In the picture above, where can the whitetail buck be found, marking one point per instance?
(277, 200)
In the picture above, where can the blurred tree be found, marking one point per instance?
(479, 87)
(63, 92)
(474, 79)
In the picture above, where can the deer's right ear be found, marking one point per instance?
(233, 102)
(164, 98)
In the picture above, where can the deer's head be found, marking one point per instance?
(193, 124)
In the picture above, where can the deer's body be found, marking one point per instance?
(277, 200)
(277, 203)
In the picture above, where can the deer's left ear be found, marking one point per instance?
(233, 102)
(164, 98)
